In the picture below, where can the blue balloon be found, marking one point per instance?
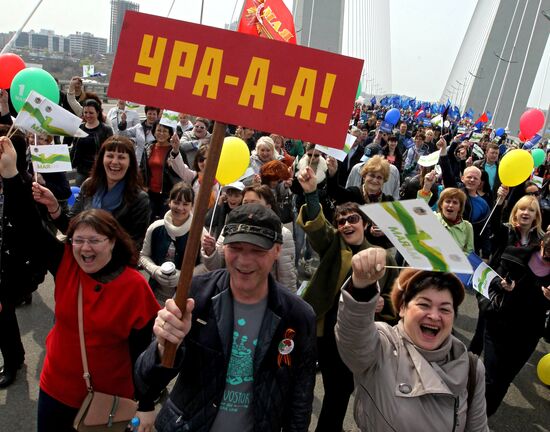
(75, 191)
(392, 116)
(499, 132)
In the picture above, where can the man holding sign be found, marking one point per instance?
(246, 345)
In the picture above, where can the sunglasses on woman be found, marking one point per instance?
(351, 219)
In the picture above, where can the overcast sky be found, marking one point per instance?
(426, 34)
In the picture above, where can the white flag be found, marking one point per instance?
(50, 158)
(429, 160)
(40, 115)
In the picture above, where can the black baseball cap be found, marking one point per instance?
(254, 224)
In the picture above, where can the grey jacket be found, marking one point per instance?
(190, 144)
(397, 388)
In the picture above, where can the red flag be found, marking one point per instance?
(268, 18)
(482, 119)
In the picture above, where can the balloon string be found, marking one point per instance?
(214, 211)
(499, 201)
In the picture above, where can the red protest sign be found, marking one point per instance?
(268, 18)
(235, 78)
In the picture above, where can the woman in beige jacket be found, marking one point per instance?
(413, 376)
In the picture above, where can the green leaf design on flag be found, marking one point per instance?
(44, 122)
(173, 117)
(51, 159)
(416, 238)
(483, 279)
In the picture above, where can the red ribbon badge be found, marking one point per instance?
(285, 348)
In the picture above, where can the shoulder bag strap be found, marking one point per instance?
(86, 374)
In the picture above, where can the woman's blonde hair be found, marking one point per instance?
(533, 203)
(377, 164)
(267, 142)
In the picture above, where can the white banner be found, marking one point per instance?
(429, 160)
(87, 70)
(170, 119)
(482, 278)
(41, 116)
(335, 153)
(50, 158)
(415, 231)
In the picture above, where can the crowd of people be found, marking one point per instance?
(291, 277)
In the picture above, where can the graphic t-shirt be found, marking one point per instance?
(235, 413)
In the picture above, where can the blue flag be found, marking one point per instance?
(469, 113)
(481, 278)
(408, 143)
(532, 142)
(455, 112)
(373, 100)
(475, 261)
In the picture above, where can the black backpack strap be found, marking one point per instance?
(472, 374)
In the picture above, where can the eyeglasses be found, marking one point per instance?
(199, 127)
(351, 219)
(313, 155)
(532, 193)
(78, 241)
(201, 159)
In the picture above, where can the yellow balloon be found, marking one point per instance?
(515, 167)
(234, 160)
(543, 369)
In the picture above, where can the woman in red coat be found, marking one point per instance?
(118, 306)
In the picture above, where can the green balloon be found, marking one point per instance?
(538, 156)
(30, 79)
(359, 90)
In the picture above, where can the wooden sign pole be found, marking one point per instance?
(195, 232)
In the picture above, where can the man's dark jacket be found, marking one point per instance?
(282, 394)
